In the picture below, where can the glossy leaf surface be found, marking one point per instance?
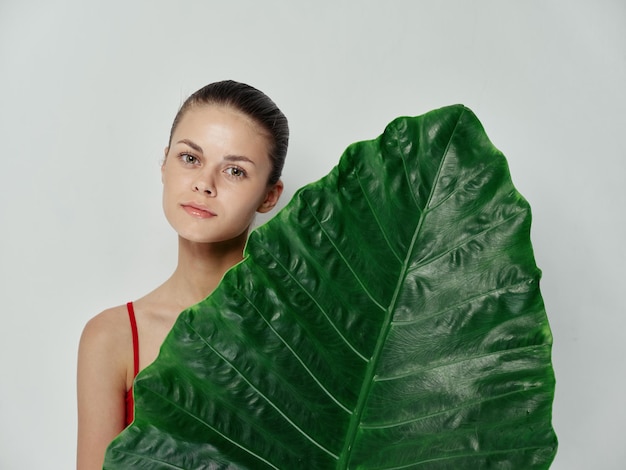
(388, 318)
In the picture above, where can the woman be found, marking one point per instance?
(222, 164)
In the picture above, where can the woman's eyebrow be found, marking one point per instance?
(228, 158)
(191, 144)
(238, 158)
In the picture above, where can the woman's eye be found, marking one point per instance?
(236, 172)
(188, 158)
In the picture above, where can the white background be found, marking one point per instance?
(88, 90)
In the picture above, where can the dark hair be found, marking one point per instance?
(253, 103)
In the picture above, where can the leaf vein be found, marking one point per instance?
(465, 405)
(344, 259)
(460, 456)
(524, 282)
(459, 361)
(296, 356)
(261, 394)
(465, 241)
(378, 223)
(145, 458)
(321, 309)
(206, 424)
(457, 188)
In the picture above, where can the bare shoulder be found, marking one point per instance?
(110, 327)
(107, 340)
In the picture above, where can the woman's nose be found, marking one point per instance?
(204, 184)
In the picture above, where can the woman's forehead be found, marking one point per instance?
(224, 128)
(220, 116)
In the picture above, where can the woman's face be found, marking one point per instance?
(215, 175)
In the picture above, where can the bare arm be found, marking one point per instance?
(103, 355)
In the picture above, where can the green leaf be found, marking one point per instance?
(388, 318)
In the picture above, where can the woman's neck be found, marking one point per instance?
(201, 267)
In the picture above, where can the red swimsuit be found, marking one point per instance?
(130, 405)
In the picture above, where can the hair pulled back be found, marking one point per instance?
(253, 103)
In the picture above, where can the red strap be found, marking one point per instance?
(133, 328)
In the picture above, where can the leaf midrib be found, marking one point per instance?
(355, 421)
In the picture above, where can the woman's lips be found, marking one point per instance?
(198, 211)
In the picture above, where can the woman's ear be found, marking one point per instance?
(271, 198)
